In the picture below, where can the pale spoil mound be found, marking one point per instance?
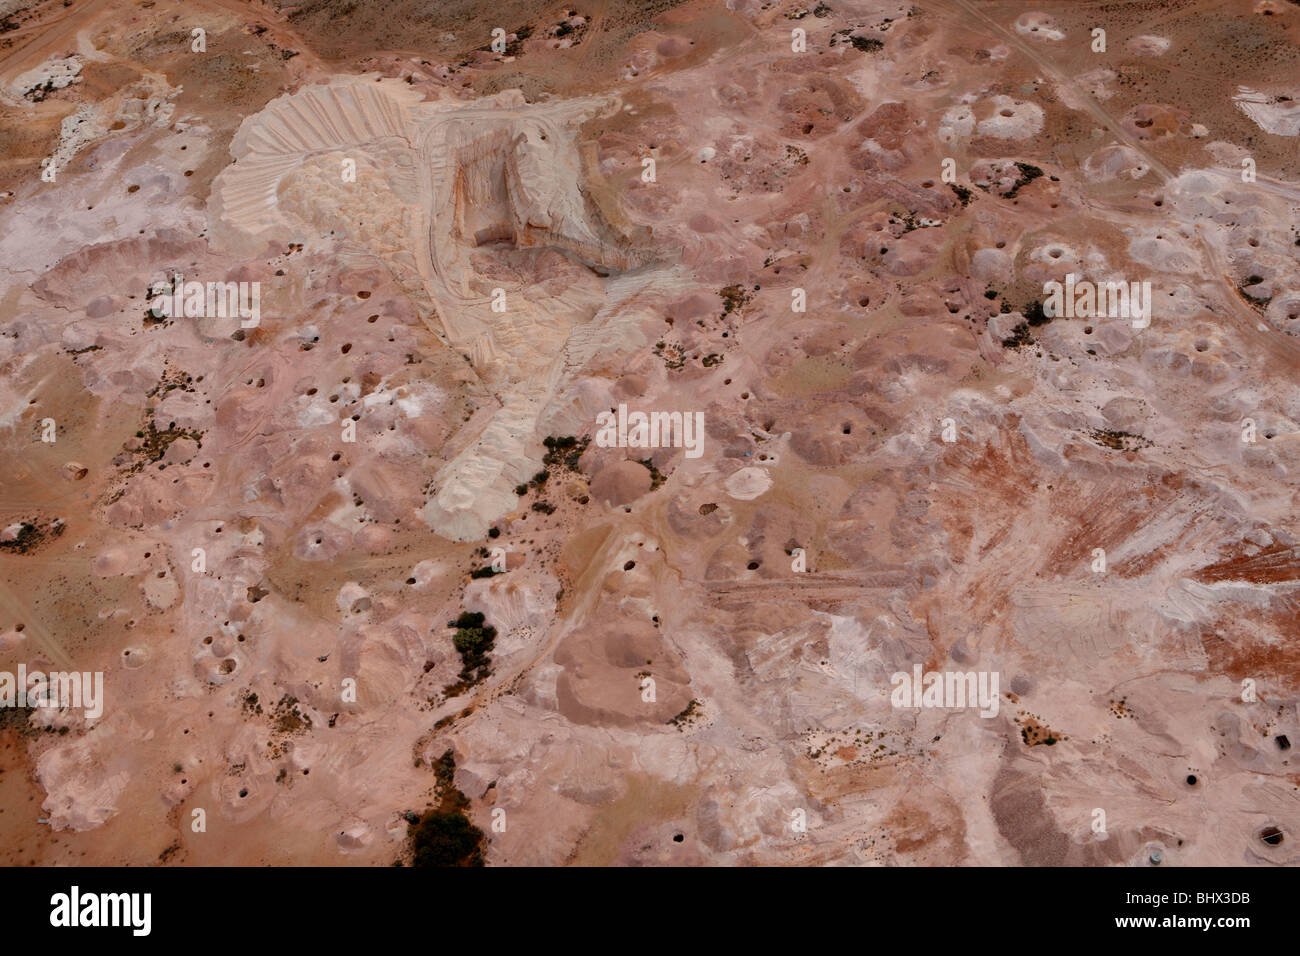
(36, 83)
(1279, 115)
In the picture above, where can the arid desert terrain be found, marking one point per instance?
(967, 332)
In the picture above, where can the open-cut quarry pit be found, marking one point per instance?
(462, 203)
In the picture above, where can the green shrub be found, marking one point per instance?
(446, 839)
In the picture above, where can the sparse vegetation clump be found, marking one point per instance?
(31, 535)
(446, 839)
(687, 716)
(1033, 732)
(1035, 315)
(564, 452)
(673, 355)
(445, 836)
(1019, 337)
(288, 718)
(657, 477)
(516, 46)
(734, 298)
(473, 641)
(1119, 441)
(1027, 175)
(152, 444)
